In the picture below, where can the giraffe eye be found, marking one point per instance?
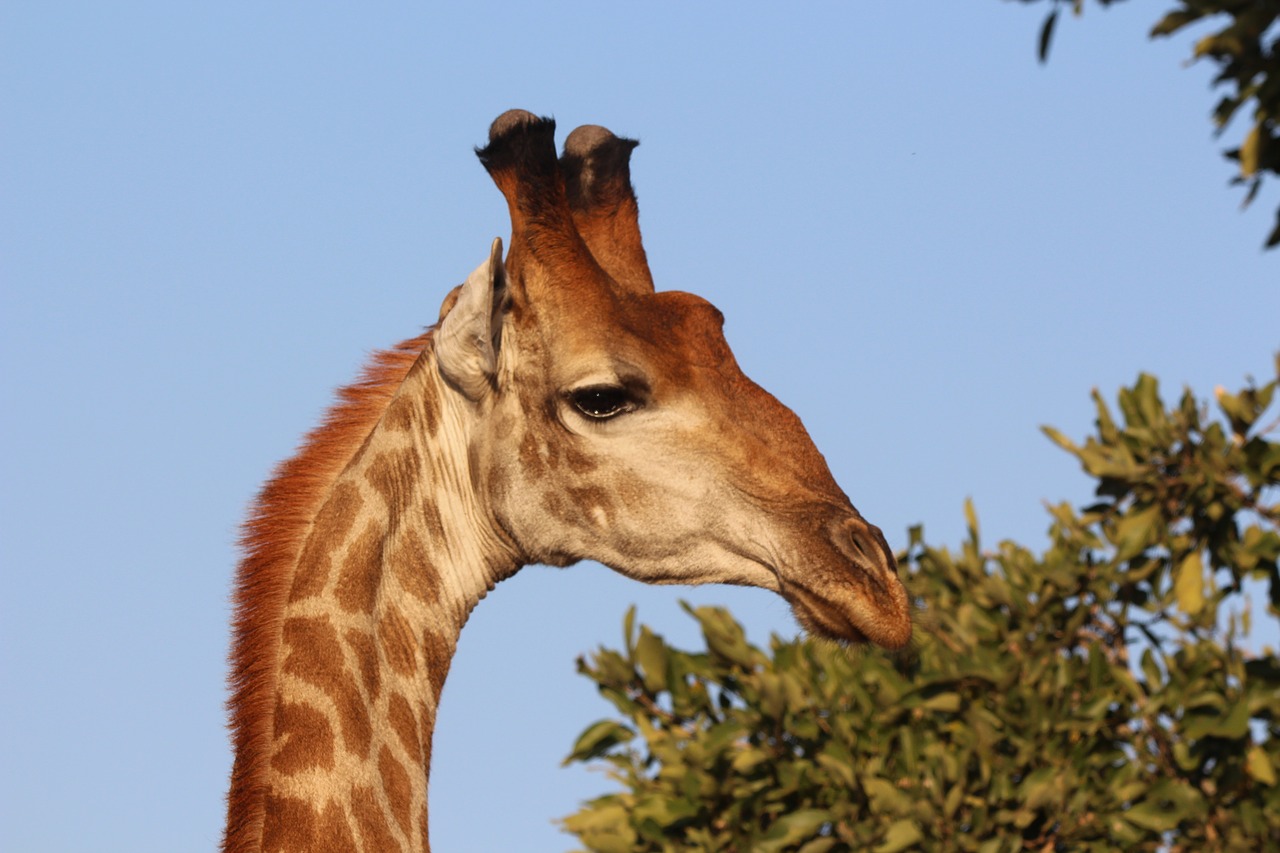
(602, 401)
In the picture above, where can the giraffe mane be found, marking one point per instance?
(270, 541)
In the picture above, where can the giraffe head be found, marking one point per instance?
(610, 422)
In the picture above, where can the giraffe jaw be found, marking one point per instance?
(852, 620)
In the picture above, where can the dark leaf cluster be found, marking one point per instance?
(1092, 696)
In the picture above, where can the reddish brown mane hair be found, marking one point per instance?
(270, 540)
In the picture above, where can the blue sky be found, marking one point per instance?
(925, 243)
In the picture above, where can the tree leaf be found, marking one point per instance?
(819, 845)
(885, 797)
(947, 703)
(598, 738)
(1059, 439)
(1135, 531)
(605, 828)
(651, 655)
(902, 835)
(748, 759)
(1258, 765)
(1188, 584)
(1249, 151)
(1151, 670)
(1046, 34)
(1173, 21)
(1153, 815)
(792, 829)
(628, 627)
(971, 519)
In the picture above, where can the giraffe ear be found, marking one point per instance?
(466, 342)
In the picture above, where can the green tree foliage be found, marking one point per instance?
(1243, 41)
(1094, 696)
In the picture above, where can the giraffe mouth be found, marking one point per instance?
(821, 620)
(852, 622)
(860, 601)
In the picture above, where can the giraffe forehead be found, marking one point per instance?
(686, 325)
(662, 336)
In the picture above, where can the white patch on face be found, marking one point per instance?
(688, 524)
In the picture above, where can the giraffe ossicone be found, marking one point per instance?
(561, 410)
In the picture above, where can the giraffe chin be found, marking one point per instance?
(854, 623)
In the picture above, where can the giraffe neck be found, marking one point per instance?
(392, 563)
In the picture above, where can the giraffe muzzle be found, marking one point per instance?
(855, 595)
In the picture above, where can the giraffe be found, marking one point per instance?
(560, 410)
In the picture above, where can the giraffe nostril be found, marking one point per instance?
(857, 542)
(865, 545)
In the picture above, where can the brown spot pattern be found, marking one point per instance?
(438, 651)
(395, 476)
(427, 719)
(374, 831)
(410, 566)
(290, 825)
(366, 654)
(584, 498)
(556, 506)
(579, 462)
(306, 741)
(358, 582)
(414, 411)
(429, 409)
(335, 835)
(332, 524)
(530, 458)
(313, 649)
(404, 724)
(395, 783)
(353, 717)
(435, 526)
(399, 416)
(395, 636)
